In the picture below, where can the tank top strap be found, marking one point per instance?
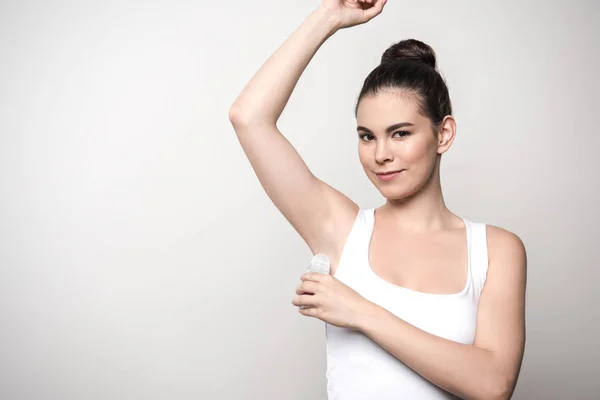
(479, 256)
(356, 245)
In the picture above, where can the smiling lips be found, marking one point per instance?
(388, 176)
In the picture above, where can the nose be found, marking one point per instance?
(383, 152)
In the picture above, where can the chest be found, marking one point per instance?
(427, 263)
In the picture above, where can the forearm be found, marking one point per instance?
(465, 370)
(265, 96)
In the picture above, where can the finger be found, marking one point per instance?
(304, 300)
(312, 276)
(307, 287)
(375, 9)
(310, 312)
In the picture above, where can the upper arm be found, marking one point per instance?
(317, 211)
(501, 312)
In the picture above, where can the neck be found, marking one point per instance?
(424, 211)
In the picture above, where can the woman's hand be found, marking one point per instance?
(330, 300)
(353, 12)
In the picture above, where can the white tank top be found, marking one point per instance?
(357, 367)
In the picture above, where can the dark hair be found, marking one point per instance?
(410, 65)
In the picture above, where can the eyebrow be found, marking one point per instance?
(388, 129)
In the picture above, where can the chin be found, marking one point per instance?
(396, 191)
(393, 191)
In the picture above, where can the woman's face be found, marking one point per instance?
(395, 136)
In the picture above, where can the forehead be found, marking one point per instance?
(388, 107)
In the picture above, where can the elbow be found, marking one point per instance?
(240, 117)
(235, 116)
(499, 388)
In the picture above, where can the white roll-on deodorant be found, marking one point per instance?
(320, 263)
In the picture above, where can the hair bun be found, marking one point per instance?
(410, 49)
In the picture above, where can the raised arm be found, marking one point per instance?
(314, 209)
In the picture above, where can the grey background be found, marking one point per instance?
(140, 257)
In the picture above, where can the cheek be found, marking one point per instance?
(363, 156)
(416, 152)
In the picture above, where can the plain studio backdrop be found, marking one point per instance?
(141, 258)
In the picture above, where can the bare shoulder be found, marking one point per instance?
(506, 252)
(502, 242)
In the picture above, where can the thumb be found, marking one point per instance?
(375, 10)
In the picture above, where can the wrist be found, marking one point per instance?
(328, 16)
(366, 316)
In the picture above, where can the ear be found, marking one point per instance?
(446, 134)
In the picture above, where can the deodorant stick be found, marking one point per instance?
(320, 263)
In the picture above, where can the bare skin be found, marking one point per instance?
(433, 253)
(433, 256)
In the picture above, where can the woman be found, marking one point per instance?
(401, 321)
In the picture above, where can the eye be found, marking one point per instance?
(363, 135)
(403, 133)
